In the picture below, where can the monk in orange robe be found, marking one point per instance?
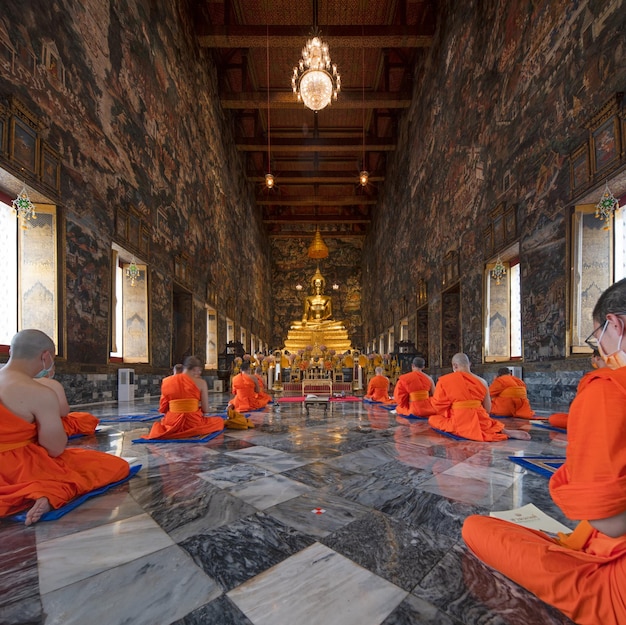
(462, 405)
(73, 422)
(508, 396)
(262, 395)
(583, 573)
(245, 387)
(378, 388)
(184, 400)
(559, 419)
(37, 472)
(414, 390)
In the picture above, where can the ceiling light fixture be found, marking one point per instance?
(315, 79)
(269, 179)
(363, 175)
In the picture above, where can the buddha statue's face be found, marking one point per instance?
(317, 286)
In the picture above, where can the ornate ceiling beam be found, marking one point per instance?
(305, 178)
(287, 100)
(317, 145)
(238, 36)
(317, 200)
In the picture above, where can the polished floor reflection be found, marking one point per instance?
(349, 517)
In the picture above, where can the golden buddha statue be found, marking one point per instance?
(317, 326)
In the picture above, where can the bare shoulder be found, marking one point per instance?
(25, 397)
(201, 384)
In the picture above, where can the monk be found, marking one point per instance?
(37, 471)
(462, 404)
(582, 573)
(184, 400)
(378, 388)
(245, 388)
(73, 422)
(414, 390)
(263, 396)
(508, 396)
(559, 419)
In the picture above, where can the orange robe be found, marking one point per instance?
(412, 395)
(378, 390)
(583, 574)
(558, 420)
(458, 403)
(183, 418)
(262, 395)
(79, 423)
(246, 398)
(508, 398)
(27, 472)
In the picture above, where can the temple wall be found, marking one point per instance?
(500, 101)
(136, 119)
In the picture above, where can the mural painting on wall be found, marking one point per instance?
(87, 278)
(450, 330)
(543, 316)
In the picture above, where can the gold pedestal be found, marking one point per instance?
(332, 335)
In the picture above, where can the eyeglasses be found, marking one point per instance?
(592, 340)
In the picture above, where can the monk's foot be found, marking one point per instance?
(519, 434)
(40, 507)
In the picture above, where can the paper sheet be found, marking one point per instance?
(532, 517)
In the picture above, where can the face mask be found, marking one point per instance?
(45, 372)
(616, 359)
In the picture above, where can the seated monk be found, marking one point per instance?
(559, 419)
(184, 400)
(263, 396)
(37, 471)
(414, 390)
(245, 388)
(508, 396)
(73, 422)
(378, 388)
(582, 573)
(462, 404)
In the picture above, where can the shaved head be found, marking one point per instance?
(461, 361)
(28, 344)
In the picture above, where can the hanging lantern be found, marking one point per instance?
(606, 206)
(498, 272)
(133, 275)
(24, 208)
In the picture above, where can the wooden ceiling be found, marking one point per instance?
(315, 157)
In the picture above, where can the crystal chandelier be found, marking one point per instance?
(606, 206)
(315, 79)
(499, 271)
(132, 273)
(24, 208)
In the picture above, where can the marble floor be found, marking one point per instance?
(349, 517)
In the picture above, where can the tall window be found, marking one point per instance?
(381, 344)
(503, 316)
(598, 260)
(211, 338)
(390, 340)
(404, 330)
(129, 321)
(28, 280)
(243, 339)
(230, 331)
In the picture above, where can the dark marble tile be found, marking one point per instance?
(236, 552)
(318, 474)
(390, 548)
(469, 591)
(439, 514)
(371, 491)
(25, 612)
(18, 572)
(416, 611)
(221, 611)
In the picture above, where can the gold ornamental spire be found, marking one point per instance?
(318, 249)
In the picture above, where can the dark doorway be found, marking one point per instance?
(182, 321)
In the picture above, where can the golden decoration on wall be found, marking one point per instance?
(499, 271)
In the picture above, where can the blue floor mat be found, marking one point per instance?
(53, 515)
(202, 439)
(544, 465)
